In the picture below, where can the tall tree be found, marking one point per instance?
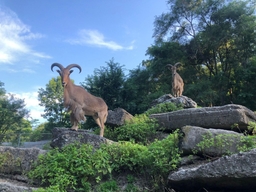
(12, 113)
(219, 37)
(51, 98)
(140, 88)
(107, 83)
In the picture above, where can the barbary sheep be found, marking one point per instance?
(79, 101)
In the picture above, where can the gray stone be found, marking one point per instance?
(228, 173)
(18, 160)
(6, 186)
(222, 117)
(182, 100)
(118, 117)
(64, 136)
(220, 142)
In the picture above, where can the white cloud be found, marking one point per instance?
(13, 38)
(32, 104)
(93, 37)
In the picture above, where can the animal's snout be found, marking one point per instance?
(63, 84)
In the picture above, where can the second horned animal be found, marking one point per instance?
(79, 101)
(177, 81)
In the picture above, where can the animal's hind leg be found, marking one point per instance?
(100, 118)
(97, 120)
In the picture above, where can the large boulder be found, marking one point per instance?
(64, 136)
(182, 100)
(210, 142)
(18, 160)
(228, 173)
(11, 186)
(230, 116)
(117, 117)
(15, 163)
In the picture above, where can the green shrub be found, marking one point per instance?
(126, 156)
(223, 142)
(163, 108)
(252, 127)
(76, 167)
(70, 168)
(108, 186)
(158, 150)
(141, 129)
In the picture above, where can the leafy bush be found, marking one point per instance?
(127, 156)
(71, 168)
(163, 108)
(224, 142)
(252, 127)
(141, 129)
(77, 167)
(109, 186)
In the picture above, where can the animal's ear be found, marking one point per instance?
(71, 71)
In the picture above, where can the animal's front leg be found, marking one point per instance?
(74, 122)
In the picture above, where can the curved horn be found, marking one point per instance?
(57, 65)
(74, 65)
(177, 64)
(169, 65)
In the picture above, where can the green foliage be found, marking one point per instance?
(130, 186)
(71, 168)
(127, 156)
(75, 166)
(51, 98)
(252, 127)
(107, 83)
(158, 150)
(223, 143)
(108, 186)
(141, 129)
(218, 46)
(12, 116)
(40, 133)
(163, 108)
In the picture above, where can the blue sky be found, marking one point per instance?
(35, 34)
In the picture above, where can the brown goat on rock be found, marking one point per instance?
(79, 101)
(177, 82)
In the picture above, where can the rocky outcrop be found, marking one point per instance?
(117, 117)
(231, 116)
(65, 136)
(228, 173)
(11, 186)
(219, 142)
(18, 160)
(15, 163)
(182, 100)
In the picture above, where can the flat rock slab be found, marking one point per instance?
(229, 173)
(13, 186)
(222, 117)
(64, 136)
(18, 160)
(214, 142)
